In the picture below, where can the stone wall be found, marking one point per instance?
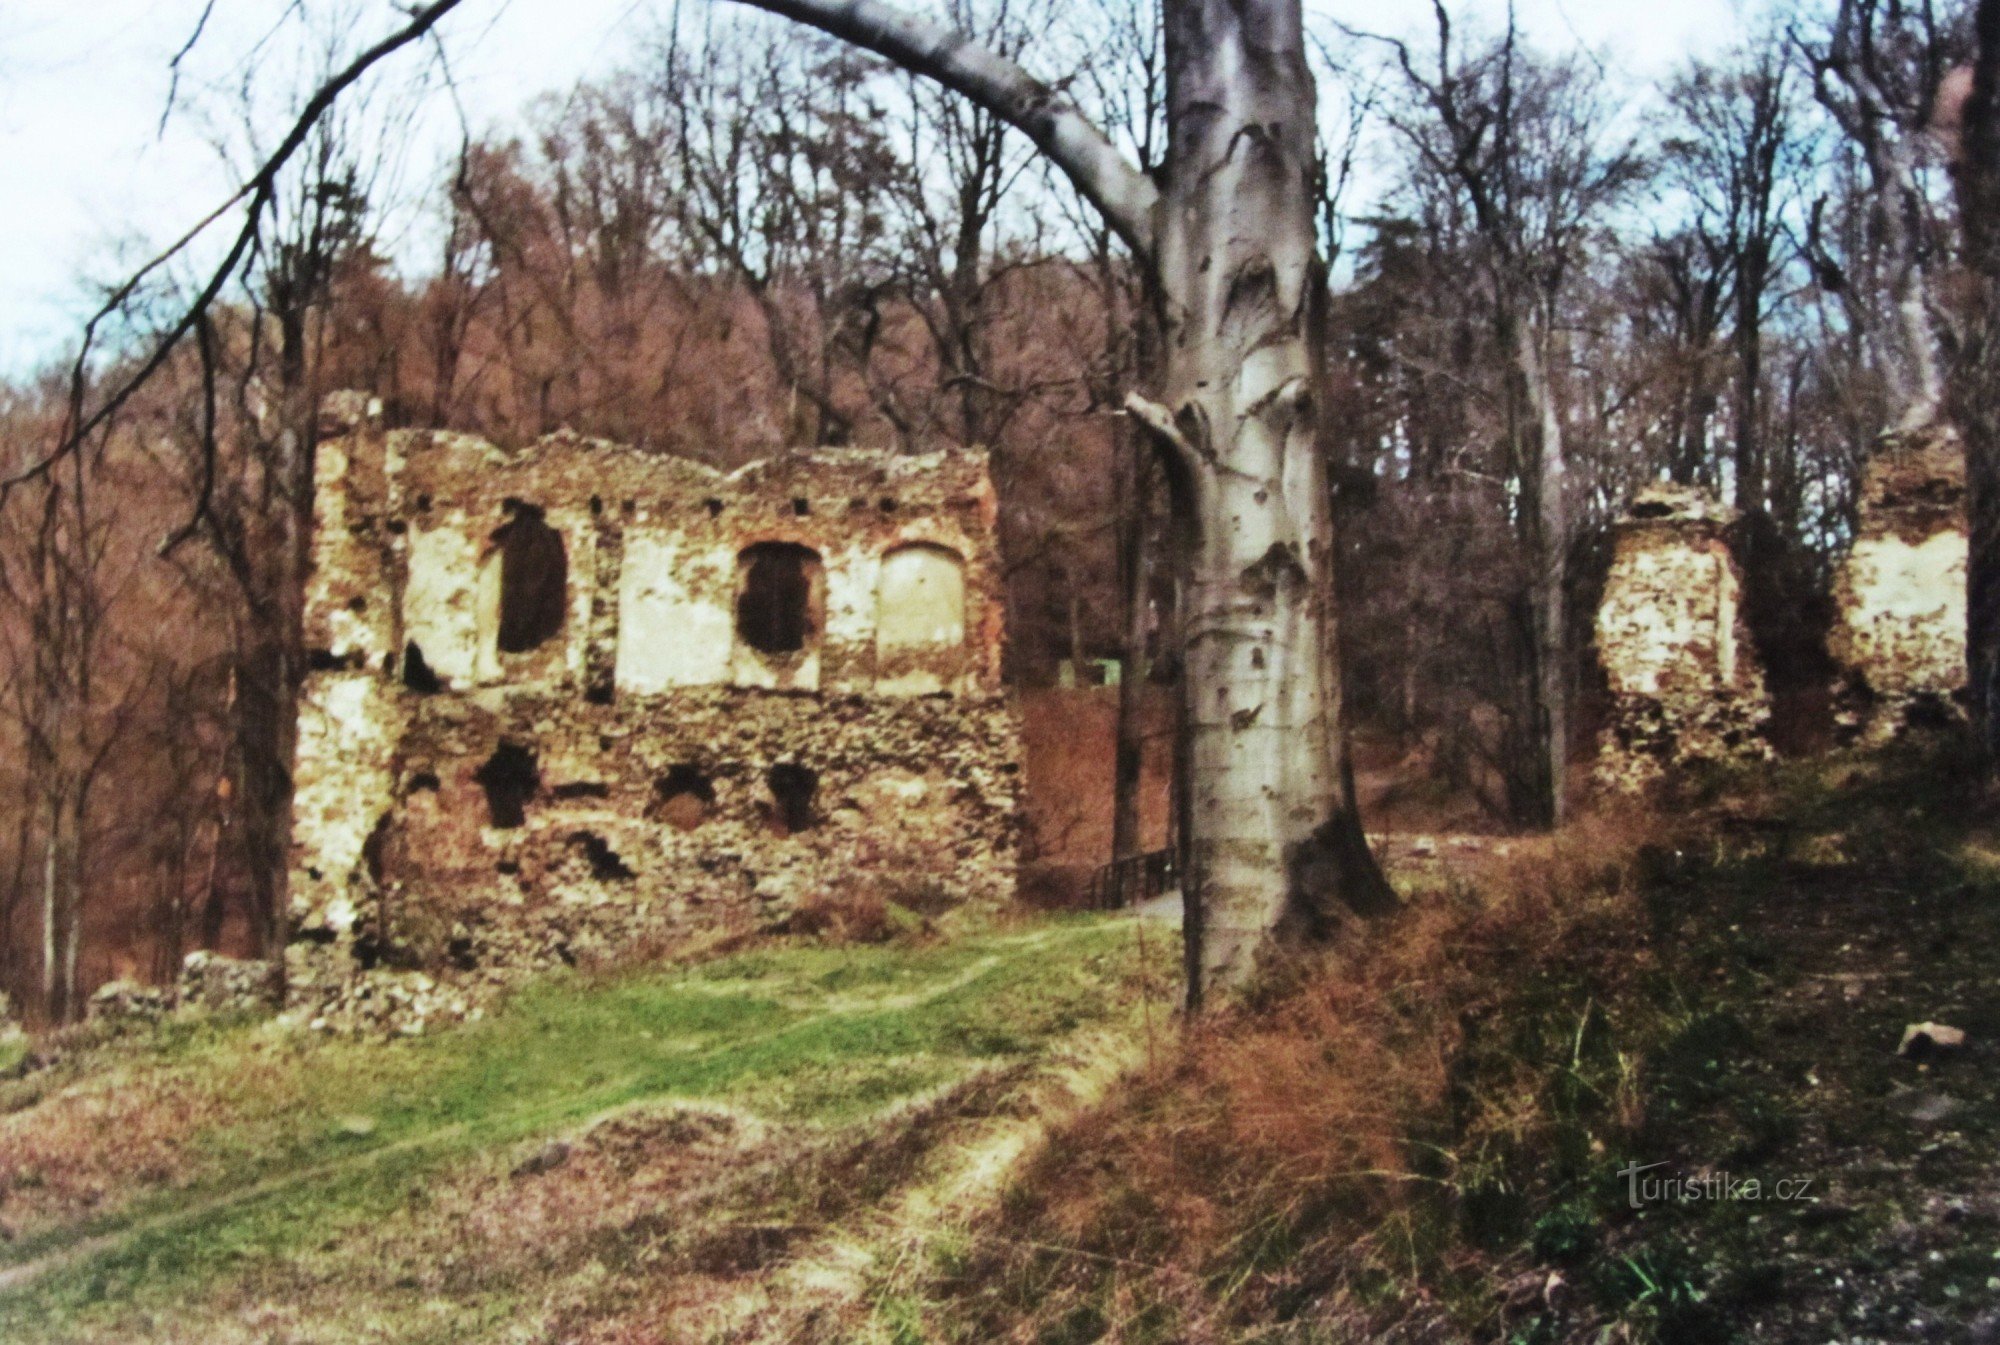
(1676, 652)
(576, 702)
(1899, 595)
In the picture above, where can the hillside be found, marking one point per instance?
(1424, 1136)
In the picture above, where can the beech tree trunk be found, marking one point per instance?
(1271, 841)
(1274, 843)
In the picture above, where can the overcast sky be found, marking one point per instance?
(87, 179)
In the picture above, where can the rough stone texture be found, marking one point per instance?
(583, 758)
(1899, 626)
(222, 984)
(1676, 651)
(127, 1002)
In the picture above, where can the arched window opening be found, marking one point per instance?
(683, 797)
(775, 597)
(920, 601)
(510, 778)
(534, 581)
(792, 789)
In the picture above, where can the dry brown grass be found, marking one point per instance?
(1309, 1154)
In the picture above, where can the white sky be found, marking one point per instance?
(87, 181)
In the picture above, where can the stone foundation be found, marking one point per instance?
(1899, 627)
(579, 704)
(1685, 684)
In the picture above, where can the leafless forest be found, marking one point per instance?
(1551, 283)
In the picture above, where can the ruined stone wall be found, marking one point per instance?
(1899, 626)
(1675, 648)
(577, 702)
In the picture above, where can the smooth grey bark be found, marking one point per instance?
(1846, 84)
(1272, 845)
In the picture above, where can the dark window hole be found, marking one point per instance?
(583, 789)
(605, 865)
(534, 581)
(683, 797)
(792, 789)
(417, 674)
(424, 780)
(510, 778)
(774, 610)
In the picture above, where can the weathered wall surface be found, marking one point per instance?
(1899, 625)
(577, 702)
(1674, 645)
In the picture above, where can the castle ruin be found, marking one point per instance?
(1685, 683)
(576, 702)
(1899, 596)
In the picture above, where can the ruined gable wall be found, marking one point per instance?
(1899, 625)
(1674, 644)
(405, 863)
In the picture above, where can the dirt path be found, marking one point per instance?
(970, 1023)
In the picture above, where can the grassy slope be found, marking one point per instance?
(264, 1166)
(1423, 1141)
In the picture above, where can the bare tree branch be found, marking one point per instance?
(1105, 177)
(257, 192)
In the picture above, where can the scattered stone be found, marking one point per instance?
(128, 1002)
(1924, 1041)
(355, 1127)
(222, 984)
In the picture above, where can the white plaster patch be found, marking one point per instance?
(1903, 623)
(667, 635)
(441, 602)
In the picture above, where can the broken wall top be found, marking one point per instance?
(657, 560)
(1914, 482)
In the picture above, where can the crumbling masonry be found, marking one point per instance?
(1899, 625)
(1675, 648)
(577, 702)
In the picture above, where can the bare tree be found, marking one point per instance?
(1876, 71)
(1518, 145)
(1738, 159)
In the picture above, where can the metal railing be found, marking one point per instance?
(1129, 881)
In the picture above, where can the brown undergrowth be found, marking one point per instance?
(1356, 1152)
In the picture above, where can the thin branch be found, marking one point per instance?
(1108, 180)
(258, 191)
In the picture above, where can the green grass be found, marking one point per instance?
(347, 1133)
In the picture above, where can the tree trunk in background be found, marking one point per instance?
(1129, 753)
(1274, 842)
(1545, 532)
(1975, 383)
